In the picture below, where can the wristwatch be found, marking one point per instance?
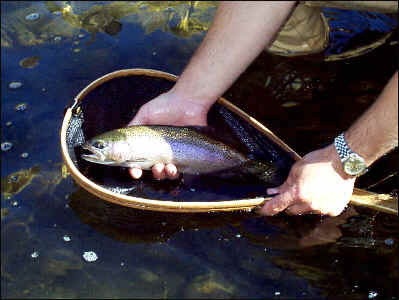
(352, 162)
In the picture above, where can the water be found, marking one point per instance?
(146, 254)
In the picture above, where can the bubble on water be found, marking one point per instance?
(15, 84)
(122, 264)
(32, 17)
(238, 236)
(192, 190)
(15, 203)
(9, 123)
(277, 293)
(34, 254)
(389, 241)
(21, 107)
(25, 155)
(372, 294)
(81, 35)
(76, 43)
(57, 39)
(6, 146)
(66, 238)
(76, 50)
(90, 256)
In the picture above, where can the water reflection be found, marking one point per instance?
(181, 18)
(136, 226)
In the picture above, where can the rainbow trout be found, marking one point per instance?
(191, 151)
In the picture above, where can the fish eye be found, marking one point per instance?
(99, 145)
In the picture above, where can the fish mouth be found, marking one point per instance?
(95, 155)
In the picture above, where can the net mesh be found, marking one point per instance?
(114, 103)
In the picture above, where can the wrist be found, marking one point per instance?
(336, 164)
(201, 104)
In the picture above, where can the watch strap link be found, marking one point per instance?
(342, 147)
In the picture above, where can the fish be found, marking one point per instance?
(192, 152)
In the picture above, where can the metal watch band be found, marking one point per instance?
(342, 147)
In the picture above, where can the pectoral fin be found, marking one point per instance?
(140, 163)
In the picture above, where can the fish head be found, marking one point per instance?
(106, 149)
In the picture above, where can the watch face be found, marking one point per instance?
(354, 164)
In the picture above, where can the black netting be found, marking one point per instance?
(114, 103)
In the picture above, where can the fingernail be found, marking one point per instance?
(272, 191)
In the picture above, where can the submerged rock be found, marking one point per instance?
(58, 262)
(210, 285)
(11, 187)
(29, 62)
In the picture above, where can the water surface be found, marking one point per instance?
(49, 222)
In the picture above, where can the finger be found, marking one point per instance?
(136, 121)
(276, 204)
(135, 172)
(139, 118)
(171, 171)
(158, 170)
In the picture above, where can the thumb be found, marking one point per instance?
(135, 121)
(139, 118)
(280, 201)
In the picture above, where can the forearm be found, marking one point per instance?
(239, 32)
(375, 133)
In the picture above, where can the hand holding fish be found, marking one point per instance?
(168, 109)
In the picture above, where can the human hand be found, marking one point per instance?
(315, 184)
(168, 109)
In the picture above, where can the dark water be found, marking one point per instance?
(49, 222)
